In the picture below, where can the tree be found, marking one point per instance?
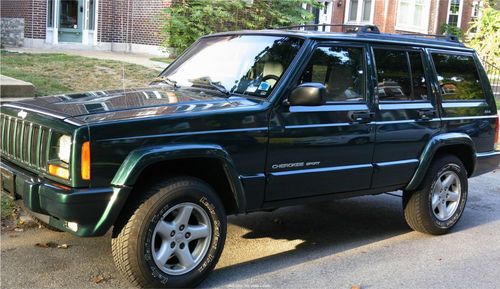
(486, 39)
(188, 20)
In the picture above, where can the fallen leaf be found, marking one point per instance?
(63, 246)
(47, 245)
(98, 279)
(356, 287)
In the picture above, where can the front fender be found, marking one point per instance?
(430, 150)
(140, 159)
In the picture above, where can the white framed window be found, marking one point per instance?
(454, 12)
(475, 14)
(413, 15)
(359, 11)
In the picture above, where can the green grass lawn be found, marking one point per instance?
(61, 73)
(7, 206)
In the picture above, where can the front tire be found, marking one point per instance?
(439, 203)
(172, 237)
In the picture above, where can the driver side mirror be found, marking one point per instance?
(308, 94)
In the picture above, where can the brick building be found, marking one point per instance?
(118, 25)
(134, 25)
(400, 16)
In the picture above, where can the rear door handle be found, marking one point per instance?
(426, 114)
(362, 116)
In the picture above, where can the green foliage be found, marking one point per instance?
(188, 20)
(486, 39)
(451, 30)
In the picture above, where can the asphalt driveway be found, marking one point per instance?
(362, 241)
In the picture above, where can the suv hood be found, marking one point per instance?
(131, 103)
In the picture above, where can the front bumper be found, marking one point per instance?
(93, 210)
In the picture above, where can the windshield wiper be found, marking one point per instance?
(166, 80)
(221, 88)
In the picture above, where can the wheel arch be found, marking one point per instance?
(458, 144)
(210, 163)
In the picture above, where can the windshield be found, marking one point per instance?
(242, 64)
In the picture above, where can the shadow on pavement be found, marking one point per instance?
(326, 229)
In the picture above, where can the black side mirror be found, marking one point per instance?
(308, 94)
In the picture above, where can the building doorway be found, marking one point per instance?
(71, 21)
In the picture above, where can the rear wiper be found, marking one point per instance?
(166, 80)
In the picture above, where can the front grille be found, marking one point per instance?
(24, 142)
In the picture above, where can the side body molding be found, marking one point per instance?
(430, 150)
(140, 159)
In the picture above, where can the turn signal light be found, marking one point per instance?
(86, 161)
(58, 171)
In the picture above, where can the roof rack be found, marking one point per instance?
(359, 29)
(447, 37)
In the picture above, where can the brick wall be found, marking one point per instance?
(385, 15)
(10, 9)
(131, 21)
(466, 14)
(32, 11)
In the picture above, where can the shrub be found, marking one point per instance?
(486, 39)
(188, 20)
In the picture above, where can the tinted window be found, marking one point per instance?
(458, 77)
(340, 69)
(243, 64)
(400, 75)
(419, 82)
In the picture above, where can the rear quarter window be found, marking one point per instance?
(457, 76)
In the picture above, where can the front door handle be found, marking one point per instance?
(362, 116)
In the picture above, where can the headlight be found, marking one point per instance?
(64, 148)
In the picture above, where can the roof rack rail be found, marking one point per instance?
(350, 28)
(447, 37)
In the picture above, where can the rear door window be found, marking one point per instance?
(400, 75)
(457, 76)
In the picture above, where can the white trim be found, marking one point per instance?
(52, 33)
(460, 9)
(96, 18)
(329, 9)
(412, 28)
(359, 12)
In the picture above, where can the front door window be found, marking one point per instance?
(69, 14)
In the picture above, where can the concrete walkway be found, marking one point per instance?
(134, 58)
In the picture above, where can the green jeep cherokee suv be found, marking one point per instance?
(247, 121)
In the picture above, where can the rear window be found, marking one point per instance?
(400, 75)
(458, 77)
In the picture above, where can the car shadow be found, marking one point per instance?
(319, 230)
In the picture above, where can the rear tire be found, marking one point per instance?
(171, 237)
(439, 202)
